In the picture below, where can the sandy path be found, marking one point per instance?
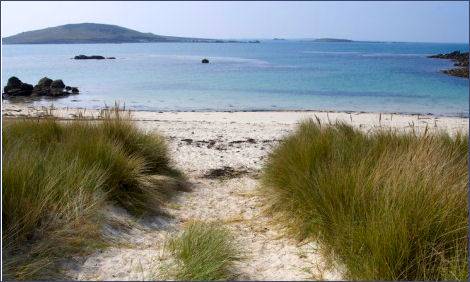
(270, 255)
(232, 201)
(199, 143)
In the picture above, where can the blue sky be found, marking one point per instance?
(384, 21)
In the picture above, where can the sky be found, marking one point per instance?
(432, 21)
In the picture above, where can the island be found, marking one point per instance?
(97, 33)
(92, 57)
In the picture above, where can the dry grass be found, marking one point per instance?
(386, 205)
(57, 176)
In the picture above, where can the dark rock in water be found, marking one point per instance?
(205, 61)
(461, 61)
(460, 72)
(44, 82)
(27, 87)
(15, 87)
(111, 58)
(24, 90)
(40, 91)
(68, 88)
(57, 88)
(74, 90)
(43, 87)
(14, 82)
(456, 55)
(84, 57)
(59, 84)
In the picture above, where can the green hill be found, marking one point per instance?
(92, 33)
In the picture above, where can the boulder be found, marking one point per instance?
(205, 61)
(68, 88)
(57, 88)
(58, 84)
(44, 82)
(14, 82)
(111, 58)
(40, 91)
(75, 90)
(27, 87)
(43, 87)
(15, 87)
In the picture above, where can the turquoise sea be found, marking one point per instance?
(271, 75)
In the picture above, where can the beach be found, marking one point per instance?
(222, 154)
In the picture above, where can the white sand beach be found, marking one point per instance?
(222, 154)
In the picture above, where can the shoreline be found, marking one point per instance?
(362, 120)
(26, 103)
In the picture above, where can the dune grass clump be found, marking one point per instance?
(204, 251)
(385, 205)
(57, 176)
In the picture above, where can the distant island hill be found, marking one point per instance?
(99, 33)
(332, 40)
(84, 33)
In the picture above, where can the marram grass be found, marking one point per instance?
(57, 176)
(385, 205)
(204, 251)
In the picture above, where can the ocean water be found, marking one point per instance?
(386, 77)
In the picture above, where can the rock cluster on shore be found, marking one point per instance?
(45, 87)
(93, 57)
(461, 62)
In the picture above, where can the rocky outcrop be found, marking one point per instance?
(460, 72)
(205, 61)
(461, 62)
(44, 87)
(18, 88)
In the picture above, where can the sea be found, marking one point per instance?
(273, 75)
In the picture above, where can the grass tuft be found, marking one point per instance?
(57, 177)
(204, 251)
(386, 205)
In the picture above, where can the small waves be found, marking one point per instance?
(366, 54)
(214, 59)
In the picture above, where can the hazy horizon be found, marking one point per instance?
(439, 22)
